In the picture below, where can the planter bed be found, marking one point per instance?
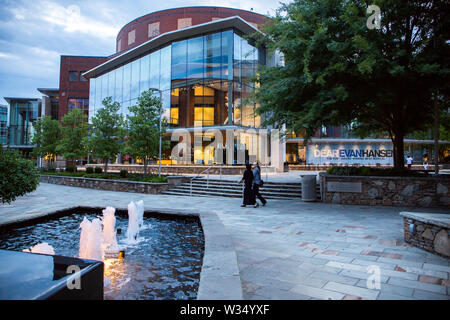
(107, 184)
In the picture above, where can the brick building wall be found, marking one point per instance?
(151, 25)
(77, 88)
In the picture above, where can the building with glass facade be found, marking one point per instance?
(204, 74)
(3, 124)
(23, 114)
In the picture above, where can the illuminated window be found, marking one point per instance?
(173, 115)
(184, 23)
(204, 115)
(119, 45)
(79, 103)
(153, 29)
(131, 37)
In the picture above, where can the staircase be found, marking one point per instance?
(201, 187)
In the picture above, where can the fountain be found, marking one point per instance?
(157, 264)
(133, 223)
(109, 246)
(91, 239)
(140, 213)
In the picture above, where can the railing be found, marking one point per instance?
(220, 173)
(207, 179)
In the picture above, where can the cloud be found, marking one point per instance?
(34, 34)
(71, 20)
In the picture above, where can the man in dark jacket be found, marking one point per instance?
(257, 184)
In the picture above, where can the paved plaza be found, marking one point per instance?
(290, 249)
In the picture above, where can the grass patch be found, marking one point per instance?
(379, 172)
(110, 176)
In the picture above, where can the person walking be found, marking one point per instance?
(409, 161)
(249, 197)
(257, 182)
(425, 161)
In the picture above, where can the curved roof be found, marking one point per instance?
(166, 38)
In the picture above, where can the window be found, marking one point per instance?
(131, 37)
(82, 78)
(79, 103)
(184, 23)
(153, 30)
(179, 51)
(73, 76)
(119, 45)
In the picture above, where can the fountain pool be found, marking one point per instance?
(164, 264)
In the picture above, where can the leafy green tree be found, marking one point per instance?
(337, 71)
(143, 128)
(17, 175)
(46, 138)
(444, 133)
(106, 132)
(74, 132)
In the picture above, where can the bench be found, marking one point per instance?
(428, 231)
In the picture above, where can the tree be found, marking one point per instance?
(143, 127)
(46, 138)
(444, 133)
(106, 132)
(74, 131)
(338, 71)
(17, 175)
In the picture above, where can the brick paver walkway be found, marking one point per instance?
(292, 249)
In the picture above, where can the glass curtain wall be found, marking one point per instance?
(24, 115)
(125, 84)
(204, 81)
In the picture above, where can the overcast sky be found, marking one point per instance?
(35, 33)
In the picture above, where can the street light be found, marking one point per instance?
(160, 127)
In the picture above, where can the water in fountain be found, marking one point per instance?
(91, 239)
(140, 213)
(133, 223)
(110, 247)
(43, 247)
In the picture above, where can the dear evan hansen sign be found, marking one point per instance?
(350, 153)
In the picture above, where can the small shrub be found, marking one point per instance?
(89, 170)
(123, 173)
(17, 176)
(71, 168)
(105, 176)
(98, 170)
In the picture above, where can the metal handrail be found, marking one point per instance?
(207, 180)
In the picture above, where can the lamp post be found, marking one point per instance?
(160, 127)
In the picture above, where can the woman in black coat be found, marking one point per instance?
(249, 197)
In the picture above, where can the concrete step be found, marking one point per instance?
(217, 194)
(239, 187)
(268, 183)
(230, 188)
(186, 189)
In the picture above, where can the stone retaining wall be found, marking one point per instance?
(107, 184)
(426, 234)
(389, 191)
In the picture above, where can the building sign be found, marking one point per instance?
(350, 153)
